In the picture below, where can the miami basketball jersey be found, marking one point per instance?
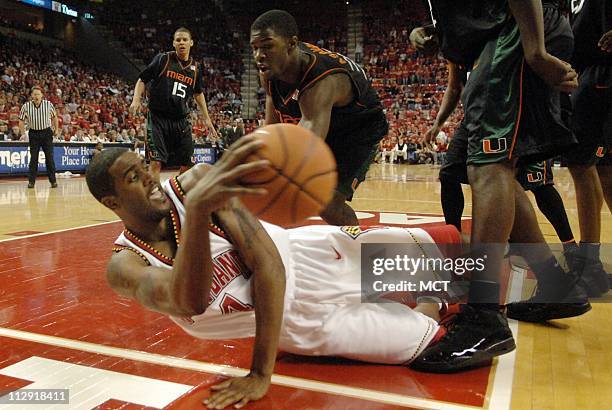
(175, 84)
(230, 306)
(346, 120)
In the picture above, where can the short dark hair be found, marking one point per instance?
(36, 87)
(99, 180)
(183, 30)
(279, 21)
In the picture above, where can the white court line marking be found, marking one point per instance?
(465, 216)
(58, 231)
(501, 392)
(229, 371)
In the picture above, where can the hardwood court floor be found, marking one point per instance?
(55, 308)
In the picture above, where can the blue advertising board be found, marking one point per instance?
(39, 3)
(15, 158)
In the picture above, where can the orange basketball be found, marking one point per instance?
(300, 180)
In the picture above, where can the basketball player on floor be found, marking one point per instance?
(508, 115)
(325, 92)
(192, 251)
(175, 79)
(537, 177)
(590, 164)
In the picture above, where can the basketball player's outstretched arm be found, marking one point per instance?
(452, 95)
(316, 103)
(271, 115)
(184, 290)
(261, 256)
(201, 101)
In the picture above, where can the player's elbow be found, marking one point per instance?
(189, 308)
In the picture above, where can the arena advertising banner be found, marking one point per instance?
(53, 5)
(47, 4)
(14, 159)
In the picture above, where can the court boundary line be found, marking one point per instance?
(230, 371)
(500, 395)
(58, 231)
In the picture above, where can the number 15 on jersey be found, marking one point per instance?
(179, 89)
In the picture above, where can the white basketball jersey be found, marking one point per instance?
(230, 311)
(323, 313)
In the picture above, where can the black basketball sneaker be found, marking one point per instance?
(551, 304)
(474, 337)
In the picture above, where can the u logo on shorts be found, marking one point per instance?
(494, 145)
(534, 178)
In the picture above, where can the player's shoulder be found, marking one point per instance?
(122, 262)
(163, 56)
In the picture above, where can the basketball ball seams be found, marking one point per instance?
(305, 158)
(278, 194)
(290, 180)
(312, 177)
(272, 166)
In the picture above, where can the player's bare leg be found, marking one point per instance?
(339, 213)
(589, 201)
(184, 168)
(526, 229)
(605, 177)
(493, 210)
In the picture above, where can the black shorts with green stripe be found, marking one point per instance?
(535, 175)
(509, 111)
(169, 140)
(454, 168)
(592, 118)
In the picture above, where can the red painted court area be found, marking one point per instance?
(56, 311)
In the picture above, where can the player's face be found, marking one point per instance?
(182, 43)
(137, 193)
(271, 53)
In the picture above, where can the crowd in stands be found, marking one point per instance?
(402, 150)
(92, 105)
(147, 27)
(88, 102)
(409, 84)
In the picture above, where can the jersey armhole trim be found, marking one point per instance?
(119, 248)
(177, 188)
(165, 65)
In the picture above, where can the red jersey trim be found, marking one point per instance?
(120, 248)
(177, 188)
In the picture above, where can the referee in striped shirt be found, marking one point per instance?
(42, 125)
